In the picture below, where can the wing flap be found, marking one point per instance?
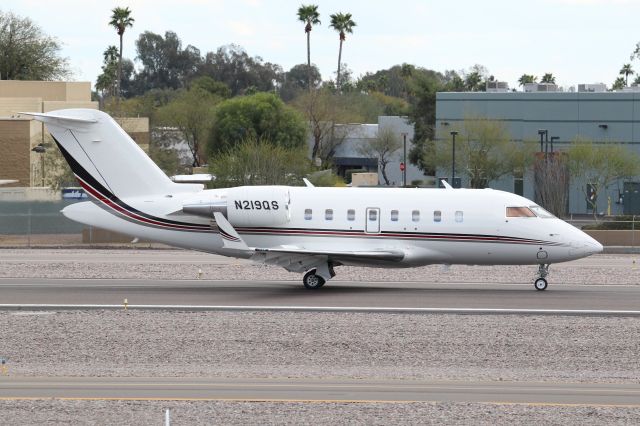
(389, 255)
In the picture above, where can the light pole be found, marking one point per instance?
(453, 158)
(542, 132)
(404, 159)
(553, 138)
(40, 149)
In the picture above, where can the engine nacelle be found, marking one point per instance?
(258, 205)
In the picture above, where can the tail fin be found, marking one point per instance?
(101, 154)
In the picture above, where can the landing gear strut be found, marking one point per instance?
(541, 282)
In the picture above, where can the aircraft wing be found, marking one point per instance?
(298, 259)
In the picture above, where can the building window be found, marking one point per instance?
(415, 216)
(437, 216)
(394, 215)
(351, 215)
(307, 214)
(328, 214)
(459, 216)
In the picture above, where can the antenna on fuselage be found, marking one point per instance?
(446, 184)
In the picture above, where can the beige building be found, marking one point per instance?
(19, 135)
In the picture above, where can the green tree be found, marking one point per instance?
(382, 148)
(626, 71)
(208, 84)
(600, 165)
(165, 63)
(526, 79)
(308, 14)
(233, 66)
(120, 20)
(548, 78)
(262, 116)
(342, 23)
(484, 152)
(636, 80)
(106, 82)
(297, 79)
(191, 112)
(259, 162)
(26, 53)
(618, 84)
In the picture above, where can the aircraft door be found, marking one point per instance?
(373, 221)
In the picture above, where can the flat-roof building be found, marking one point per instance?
(600, 117)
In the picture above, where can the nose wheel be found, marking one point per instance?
(541, 282)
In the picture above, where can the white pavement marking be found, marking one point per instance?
(467, 311)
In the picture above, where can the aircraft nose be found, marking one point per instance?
(591, 246)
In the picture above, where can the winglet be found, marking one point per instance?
(230, 237)
(306, 182)
(446, 184)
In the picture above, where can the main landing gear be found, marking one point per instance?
(541, 282)
(316, 278)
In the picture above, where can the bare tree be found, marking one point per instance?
(551, 179)
(382, 147)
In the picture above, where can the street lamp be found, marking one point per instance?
(542, 132)
(453, 158)
(404, 159)
(40, 149)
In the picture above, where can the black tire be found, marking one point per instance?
(540, 284)
(312, 281)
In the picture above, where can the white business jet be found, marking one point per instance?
(304, 229)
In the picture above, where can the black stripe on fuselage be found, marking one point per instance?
(83, 174)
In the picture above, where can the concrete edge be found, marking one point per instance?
(328, 309)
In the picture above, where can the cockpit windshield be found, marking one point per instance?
(519, 212)
(542, 213)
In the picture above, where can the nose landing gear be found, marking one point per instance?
(541, 282)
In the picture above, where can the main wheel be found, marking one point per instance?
(312, 281)
(540, 284)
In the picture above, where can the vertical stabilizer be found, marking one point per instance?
(101, 154)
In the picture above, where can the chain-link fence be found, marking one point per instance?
(40, 223)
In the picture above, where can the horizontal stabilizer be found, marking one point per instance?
(46, 117)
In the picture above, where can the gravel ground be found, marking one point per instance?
(315, 345)
(53, 412)
(621, 271)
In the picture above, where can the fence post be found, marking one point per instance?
(29, 227)
(633, 232)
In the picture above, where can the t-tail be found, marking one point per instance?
(106, 161)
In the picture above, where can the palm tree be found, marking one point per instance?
(310, 16)
(548, 78)
(527, 78)
(120, 20)
(342, 23)
(626, 71)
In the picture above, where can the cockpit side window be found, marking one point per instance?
(540, 212)
(519, 212)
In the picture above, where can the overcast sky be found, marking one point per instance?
(579, 41)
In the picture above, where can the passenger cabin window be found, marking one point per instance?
(328, 214)
(351, 214)
(373, 215)
(437, 216)
(415, 216)
(459, 216)
(307, 214)
(394, 215)
(519, 212)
